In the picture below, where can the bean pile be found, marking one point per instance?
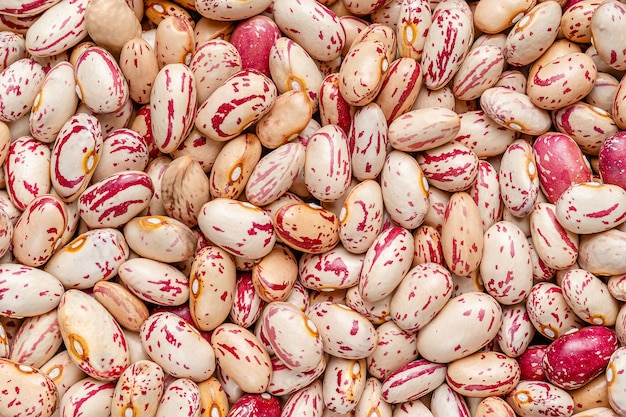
(368, 208)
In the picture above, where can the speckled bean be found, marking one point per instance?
(45, 213)
(533, 34)
(516, 332)
(331, 270)
(272, 176)
(362, 72)
(241, 356)
(395, 348)
(139, 390)
(508, 282)
(462, 234)
(606, 18)
(548, 311)
(125, 307)
(172, 104)
(177, 347)
(449, 167)
(405, 189)
(37, 340)
(533, 397)
(292, 68)
(441, 340)
(181, 398)
(500, 374)
(116, 199)
(514, 111)
(92, 336)
(154, 282)
(423, 292)
(344, 332)
(27, 170)
(437, 125)
(99, 252)
(589, 297)
(327, 169)
(447, 43)
(19, 283)
(321, 231)
(343, 383)
(29, 392)
(599, 207)
(75, 155)
(412, 381)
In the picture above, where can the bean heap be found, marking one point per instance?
(379, 208)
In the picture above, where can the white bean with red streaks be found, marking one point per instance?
(285, 381)
(533, 34)
(509, 279)
(412, 381)
(27, 391)
(155, 282)
(180, 398)
(445, 400)
(361, 216)
(93, 338)
(115, 200)
(177, 347)
(335, 269)
(293, 336)
(45, 212)
(423, 292)
(516, 332)
(173, 103)
(445, 338)
(515, 111)
(27, 171)
(437, 126)
(462, 237)
(344, 332)
(62, 371)
(75, 155)
(307, 400)
(386, 263)
(450, 167)
(312, 25)
(549, 312)
(414, 19)
(519, 181)
(343, 384)
(49, 114)
(362, 72)
(212, 281)
(59, 28)
(327, 169)
(242, 357)
(395, 348)
(139, 389)
(589, 297)
(19, 283)
(556, 246)
(604, 23)
(99, 252)
(405, 189)
(538, 397)
(37, 340)
(275, 173)
(368, 141)
(483, 374)
(447, 43)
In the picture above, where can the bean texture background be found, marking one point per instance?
(287, 208)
